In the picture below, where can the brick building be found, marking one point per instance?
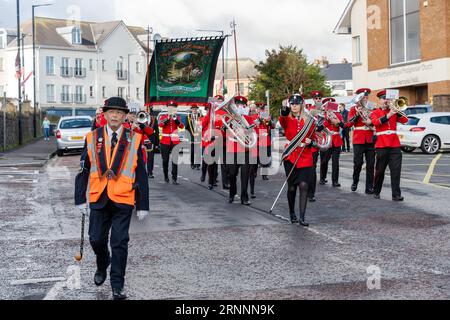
(401, 44)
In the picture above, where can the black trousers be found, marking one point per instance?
(359, 152)
(150, 162)
(166, 150)
(252, 178)
(117, 220)
(241, 161)
(391, 157)
(334, 154)
(346, 139)
(194, 163)
(312, 185)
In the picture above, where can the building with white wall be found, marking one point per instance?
(78, 64)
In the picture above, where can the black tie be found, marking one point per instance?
(113, 142)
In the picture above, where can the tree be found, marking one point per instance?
(285, 72)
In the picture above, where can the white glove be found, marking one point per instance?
(142, 215)
(83, 210)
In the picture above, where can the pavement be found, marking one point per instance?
(35, 154)
(195, 245)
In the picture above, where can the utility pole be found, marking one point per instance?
(19, 82)
(34, 66)
(233, 28)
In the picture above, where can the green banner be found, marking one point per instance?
(183, 70)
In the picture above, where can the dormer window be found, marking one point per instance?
(76, 35)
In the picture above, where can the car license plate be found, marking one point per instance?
(77, 138)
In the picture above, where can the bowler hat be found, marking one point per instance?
(116, 103)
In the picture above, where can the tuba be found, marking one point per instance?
(365, 109)
(323, 139)
(238, 126)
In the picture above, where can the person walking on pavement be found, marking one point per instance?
(345, 132)
(112, 165)
(46, 127)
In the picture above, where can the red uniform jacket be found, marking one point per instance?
(170, 130)
(335, 130)
(206, 132)
(362, 133)
(264, 134)
(386, 131)
(292, 127)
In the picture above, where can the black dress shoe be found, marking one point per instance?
(322, 182)
(175, 183)
(246, 203)
(336, 185)
(226, 187)
(377, 196)
(203, 178)
(167, 180)
(215, 185)
(253, 196)
(312, 199)
(192, 167)
(265, 178)
(303, 223)
(119, 294)
(398, 198)
(151, 176)
(294, 219)
(211, 187)
(354, 187)
(231, 200)
(99, 277)
(370, 191)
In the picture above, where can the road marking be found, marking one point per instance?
(19, 173)
(336, 240)
(430, 172)
(16, 181)
(72, 282)
(36, 281)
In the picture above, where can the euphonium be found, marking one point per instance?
(238, 125)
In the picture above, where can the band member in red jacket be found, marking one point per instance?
(254, 165)
(293, 120)
(141, 128)
(363, 143)
(239, 158)
(264, 130)
(170, 123)
(317, 97)
(333, 122)
(100, 120)
(387, 147)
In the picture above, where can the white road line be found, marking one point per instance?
(336, 240)
(19, 173)
(36, 281)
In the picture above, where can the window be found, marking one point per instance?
(357, 49)
(138, 67)
(79, 96)
(91, 91)
(441, 120)
(120, 91)
(138, 93)
(76, 35)
(65, 94)
(50, 65)
(405, 31)
(79, 71)
(50, 93)
(104, 92)
(91, 65)
(103, 65)
(65, 70)
(76, 124)
(412, 121)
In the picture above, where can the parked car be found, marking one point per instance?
(418, 109)
(429, 131)
(71, 133)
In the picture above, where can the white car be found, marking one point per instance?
(71, 133)
(429, 131)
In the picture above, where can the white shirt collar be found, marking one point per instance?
(111, 131)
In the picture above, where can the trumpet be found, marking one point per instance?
(399, 106)
(143, 117)
(238, 126)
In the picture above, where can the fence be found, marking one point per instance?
(9, 124)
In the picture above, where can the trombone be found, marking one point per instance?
(399, 106)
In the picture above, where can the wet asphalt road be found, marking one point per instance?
(196, 246)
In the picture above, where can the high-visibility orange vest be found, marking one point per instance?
(120, 187)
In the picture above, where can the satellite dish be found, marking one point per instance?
(157, 37)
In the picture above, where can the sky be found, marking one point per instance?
(260, 24)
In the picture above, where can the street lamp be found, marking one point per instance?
(34, 66)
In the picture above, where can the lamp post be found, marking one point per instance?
(34, 65)
(19, 66)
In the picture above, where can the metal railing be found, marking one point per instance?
(66, 72)
(66, 98)
(79, 72)
(122, 74)
(79, 98)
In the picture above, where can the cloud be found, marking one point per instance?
(261, 25)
